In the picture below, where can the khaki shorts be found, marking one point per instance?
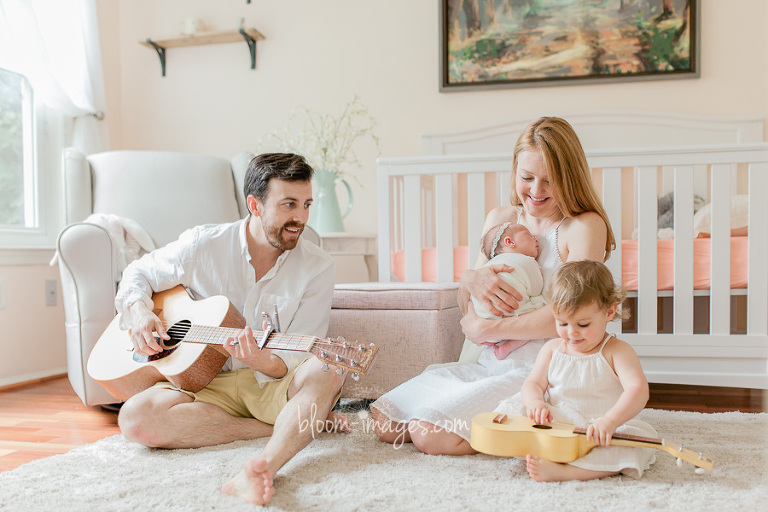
(238, 393)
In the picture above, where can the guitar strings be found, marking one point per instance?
(184, 329)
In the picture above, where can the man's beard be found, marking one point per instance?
(275, 237)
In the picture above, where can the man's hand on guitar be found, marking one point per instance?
(243, 347)
(144, 325)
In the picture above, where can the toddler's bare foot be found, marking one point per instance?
(543, 470)
(253, 484)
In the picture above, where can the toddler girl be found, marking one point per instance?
(587, 378)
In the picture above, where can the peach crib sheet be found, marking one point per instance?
(629, 263)
(701, 263)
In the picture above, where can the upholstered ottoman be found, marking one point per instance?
(413, 324)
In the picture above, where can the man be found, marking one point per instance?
(257, 262)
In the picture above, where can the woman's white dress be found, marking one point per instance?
(581, 390)
(449, 396)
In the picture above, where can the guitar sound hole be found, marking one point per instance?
(543, 427)
(177, 332)
(154, 357)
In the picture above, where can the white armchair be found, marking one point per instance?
(165, 193)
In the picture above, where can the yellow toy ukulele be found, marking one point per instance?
(517, 436)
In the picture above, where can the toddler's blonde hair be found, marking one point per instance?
(580, 283)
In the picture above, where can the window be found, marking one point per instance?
(17, 176)
(31, 141)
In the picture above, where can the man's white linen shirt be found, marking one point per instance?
(214, 260)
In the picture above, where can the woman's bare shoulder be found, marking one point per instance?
(583, 237)
(501, 214)
(585, 220)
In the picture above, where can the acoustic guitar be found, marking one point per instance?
(194, 354)
(516, 436)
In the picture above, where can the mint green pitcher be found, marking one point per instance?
(325, 215)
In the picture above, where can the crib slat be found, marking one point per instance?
(683, 214)
(503, 189)
(412, 228)
(444, 228)
(475, 214)
(647, 226)
(757, 273)
(387, 221)
(720, 288)
(612, 204)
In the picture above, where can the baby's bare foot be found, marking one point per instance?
(253, 484)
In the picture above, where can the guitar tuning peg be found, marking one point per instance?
(323, 354)
(339, 359)
(361, 348)
(679, 462)
(325, 367)
(339, 371)
(341, 339)
(356, 377)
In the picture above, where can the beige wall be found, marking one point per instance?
(319, 54)
(31, 332)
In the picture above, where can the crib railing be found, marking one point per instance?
(423, 200)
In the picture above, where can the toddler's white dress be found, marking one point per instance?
(582, 389)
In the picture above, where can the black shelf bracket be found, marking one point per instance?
(160, 53)
(251, 46)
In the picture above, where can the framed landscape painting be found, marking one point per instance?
(526, 43)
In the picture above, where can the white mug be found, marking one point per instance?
(190, 26)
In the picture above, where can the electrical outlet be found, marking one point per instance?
(2, 293)
(51, 292)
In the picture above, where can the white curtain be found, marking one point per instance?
(55, 44)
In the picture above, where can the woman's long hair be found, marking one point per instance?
(567, 169)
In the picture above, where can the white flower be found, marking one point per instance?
(327, 141)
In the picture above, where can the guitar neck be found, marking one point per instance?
(627, 440)
(697, 459)
(342, 354)
(276, 341)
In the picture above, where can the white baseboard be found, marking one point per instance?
(30, 377)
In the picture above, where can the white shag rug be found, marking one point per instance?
(339, 472)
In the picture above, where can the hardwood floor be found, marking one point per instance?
(46, 418)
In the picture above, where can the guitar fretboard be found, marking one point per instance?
(625, 437)
(219, 335)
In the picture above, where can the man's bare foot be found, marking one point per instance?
(337, 423)
(253, 484)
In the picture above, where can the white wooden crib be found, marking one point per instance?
(701, 332)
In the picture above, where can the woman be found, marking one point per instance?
(553, 196)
